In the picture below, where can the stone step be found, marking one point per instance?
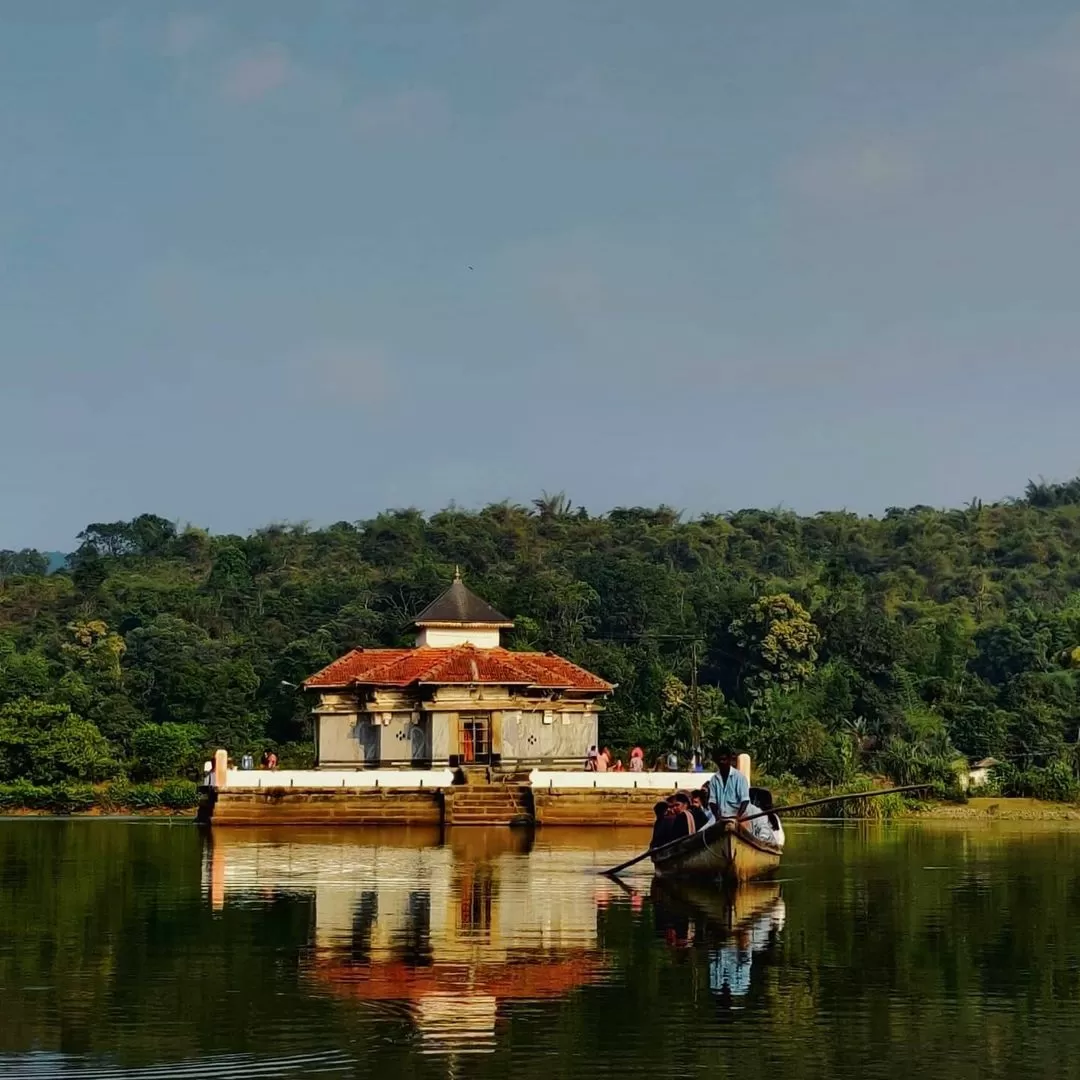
(497, 786)
(490, 811)
(488, 793)
(487, 797)
(485, 800)
(490, 820)
(485, 793)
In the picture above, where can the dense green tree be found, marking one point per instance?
(181, 674)
(49, 744)
(25, 563)
(780, 642)
(163, 750)
(824, 644)
(24, 674)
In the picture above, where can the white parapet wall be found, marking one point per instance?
(427, 779)
(347, 779)
(617, 781)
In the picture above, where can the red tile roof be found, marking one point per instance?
(458, 664)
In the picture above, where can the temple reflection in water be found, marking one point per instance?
(454, 931)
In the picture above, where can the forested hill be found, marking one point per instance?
(827, 644)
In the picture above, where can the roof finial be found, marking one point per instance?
(457, 573)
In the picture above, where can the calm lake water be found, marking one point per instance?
(148, 949)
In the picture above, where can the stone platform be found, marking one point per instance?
(473, 805)
(541, 798)
(320, 806)
(548, 799)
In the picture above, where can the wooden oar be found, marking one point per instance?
(765, 813)
(835, 798)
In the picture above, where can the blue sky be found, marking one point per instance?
(267, 261)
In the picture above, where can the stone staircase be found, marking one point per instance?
(488, 804)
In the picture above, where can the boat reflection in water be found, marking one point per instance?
(451, 932)
(731, 925)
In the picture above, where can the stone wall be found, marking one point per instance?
(338, 779)
(443, 736)
(341, 739)
(299, 806)
(483, 804)
(558, 737)
(594, 807)
(319, 806)
(659, 782)
(405, 738)
(391, 726)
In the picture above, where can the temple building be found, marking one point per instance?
(456, 698)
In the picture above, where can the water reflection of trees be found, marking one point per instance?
(906, 951)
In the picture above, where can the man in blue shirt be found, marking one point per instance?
(729, 790)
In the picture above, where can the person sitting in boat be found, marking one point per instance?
(660, 825)
(766, 828)
(673, 819)
(697, 809)
(683, 822)
(663, 829)
(729, 790)
(699, 800)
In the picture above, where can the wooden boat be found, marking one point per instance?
(724, 850)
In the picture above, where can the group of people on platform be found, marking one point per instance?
(604, 761)
(726, 796)
(269, 761)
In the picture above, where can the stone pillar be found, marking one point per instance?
(743, 766)
(221, 768)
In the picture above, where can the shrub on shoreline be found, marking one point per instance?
(179, 795)
(1052, 783)
(113, 798)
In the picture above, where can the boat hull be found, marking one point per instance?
(723, 851)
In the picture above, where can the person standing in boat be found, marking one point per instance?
(729, 790)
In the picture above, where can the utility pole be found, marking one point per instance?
(695, 712)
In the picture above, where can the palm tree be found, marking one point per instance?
(550, 507)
